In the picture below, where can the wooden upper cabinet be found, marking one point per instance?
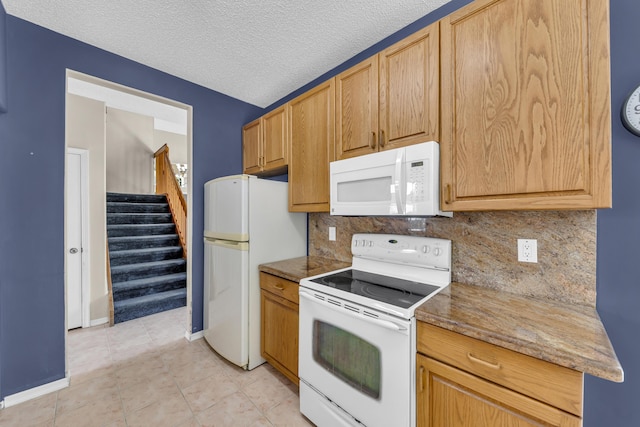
(390, 100)
(409, 90)
(266, 144)
(275, 140)
(251, 147)
(311, 124)
(357, 110)
(526, 115)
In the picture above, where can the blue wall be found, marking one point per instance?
(3, 59)
(32, 153)
(606, 403)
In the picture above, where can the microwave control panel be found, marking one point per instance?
(416, 188)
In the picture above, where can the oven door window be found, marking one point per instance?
(348, 357)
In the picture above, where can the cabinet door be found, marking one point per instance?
(275, 141)
(251, 147)
(357, 110)
(525, 105)
(311, 123)
(409, 90)
(279, 344)
(449, 397)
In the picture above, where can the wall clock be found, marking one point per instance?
(631, 112)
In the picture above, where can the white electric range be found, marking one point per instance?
(357, 337)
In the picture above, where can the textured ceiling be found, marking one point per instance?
(254, 50)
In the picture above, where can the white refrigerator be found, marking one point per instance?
(246, 223)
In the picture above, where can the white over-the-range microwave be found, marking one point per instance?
(398, 182)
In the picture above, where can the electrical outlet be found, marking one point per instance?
(527, 250)
(332, 234)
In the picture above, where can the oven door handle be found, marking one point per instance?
(384, 323)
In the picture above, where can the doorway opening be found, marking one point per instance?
(88, 101)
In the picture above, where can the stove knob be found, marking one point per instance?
(355, 243)
(437, 251)
(426, 249)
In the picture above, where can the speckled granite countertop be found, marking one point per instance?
(570, 336)
(296, 269)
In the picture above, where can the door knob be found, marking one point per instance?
(73, 250)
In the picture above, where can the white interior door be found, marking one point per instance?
(73, 232)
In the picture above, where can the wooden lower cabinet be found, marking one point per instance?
(450, 397)
(279, 324)
(473, 384)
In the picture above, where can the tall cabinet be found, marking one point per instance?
(526, 105)
(311, 124)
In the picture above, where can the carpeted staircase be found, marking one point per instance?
(148, 273)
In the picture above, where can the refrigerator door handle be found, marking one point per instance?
(228, 244)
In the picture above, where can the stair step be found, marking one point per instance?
(137, 256)
(130, 207)
(148, 304)
(148, 273)
(122, 230)
(124, 273)
(147, 286)
(141, 242)
(124, 197)
(139, 218)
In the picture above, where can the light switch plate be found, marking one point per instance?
(332, 234)
(527, 250)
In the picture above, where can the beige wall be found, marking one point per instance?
(177, 145)
(130, 148)
(86, 129)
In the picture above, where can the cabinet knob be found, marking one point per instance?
(372, 144)
(381, 138)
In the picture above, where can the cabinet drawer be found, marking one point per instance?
(544, 381)
(281, 287)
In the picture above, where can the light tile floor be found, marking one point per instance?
(145, 373)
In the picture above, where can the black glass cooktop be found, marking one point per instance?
(390, 290)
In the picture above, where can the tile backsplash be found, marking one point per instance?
(485, 248)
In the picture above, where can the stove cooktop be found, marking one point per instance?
(390, 290)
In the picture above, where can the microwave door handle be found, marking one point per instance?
(380, 322)
(399, 182)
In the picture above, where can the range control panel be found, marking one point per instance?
(400, 249)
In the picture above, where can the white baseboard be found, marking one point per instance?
(97, 322)
(192, 337)
(32, 393)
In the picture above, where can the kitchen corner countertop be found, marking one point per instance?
(569, 336)
(296, 269)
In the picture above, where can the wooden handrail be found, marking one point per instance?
(167, 184)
